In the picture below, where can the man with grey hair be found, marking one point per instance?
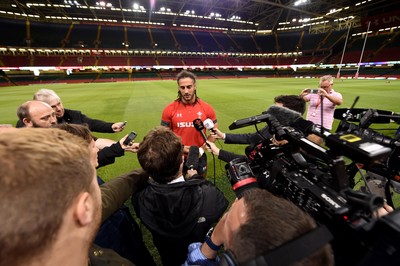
(73, 116)
(323, 102)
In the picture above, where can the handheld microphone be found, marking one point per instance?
(192, 160)
(199, 126)
(209, 124)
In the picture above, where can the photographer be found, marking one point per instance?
(323, 101)
(256, 223)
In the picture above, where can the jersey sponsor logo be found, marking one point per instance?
(184, 124)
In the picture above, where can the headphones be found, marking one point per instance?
(287, 253)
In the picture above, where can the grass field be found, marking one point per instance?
(141, 104)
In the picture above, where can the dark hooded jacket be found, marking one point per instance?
(178, 214)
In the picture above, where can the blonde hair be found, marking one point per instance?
(42, 171)
(326, 78)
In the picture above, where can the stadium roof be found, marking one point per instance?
(223, 14)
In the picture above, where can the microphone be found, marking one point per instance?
(199, 126)
(288, 117)
(192, 160)
(285, 116)
(209, 124)
(275, 128)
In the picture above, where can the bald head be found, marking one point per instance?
(36, 114)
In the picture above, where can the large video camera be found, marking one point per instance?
(385, 173)
(363, 130)
(316, 180)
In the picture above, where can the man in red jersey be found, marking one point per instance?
(179, 116)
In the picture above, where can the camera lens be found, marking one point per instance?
(242, 169)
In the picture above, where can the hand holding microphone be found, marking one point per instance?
(215, 132)
(209, 124)
(211, 147)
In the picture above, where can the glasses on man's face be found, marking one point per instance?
(325, 87)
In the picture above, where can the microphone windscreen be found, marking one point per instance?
(208, 123)
(192, 160)
(198, 124)
(283, 115)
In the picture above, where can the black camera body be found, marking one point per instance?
(240, 176)
(316, 180)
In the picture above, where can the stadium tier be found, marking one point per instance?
(116, 46)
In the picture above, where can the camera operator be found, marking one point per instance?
(256, 223)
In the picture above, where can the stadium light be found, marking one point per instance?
(300, 2)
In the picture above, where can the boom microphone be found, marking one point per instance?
(192, 160)
(288, 117)
(209, 124)
(285, 116)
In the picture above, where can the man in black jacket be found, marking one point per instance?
(73, 116)
(175, 210)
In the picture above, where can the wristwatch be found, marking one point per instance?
(209, 241)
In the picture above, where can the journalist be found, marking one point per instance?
(176, 211)
(256, 223)
(39, 228)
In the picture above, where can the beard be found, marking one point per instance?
(187, 98)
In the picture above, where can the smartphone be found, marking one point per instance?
(313, 90)
(123, 124)
(129, 138)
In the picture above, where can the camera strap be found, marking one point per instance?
(295, 249)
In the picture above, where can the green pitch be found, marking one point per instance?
(141, 103)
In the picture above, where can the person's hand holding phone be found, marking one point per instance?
(128, 144)
(119, 126)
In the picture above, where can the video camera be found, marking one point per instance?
(316, 180)
(385, 173)
(362, 129)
